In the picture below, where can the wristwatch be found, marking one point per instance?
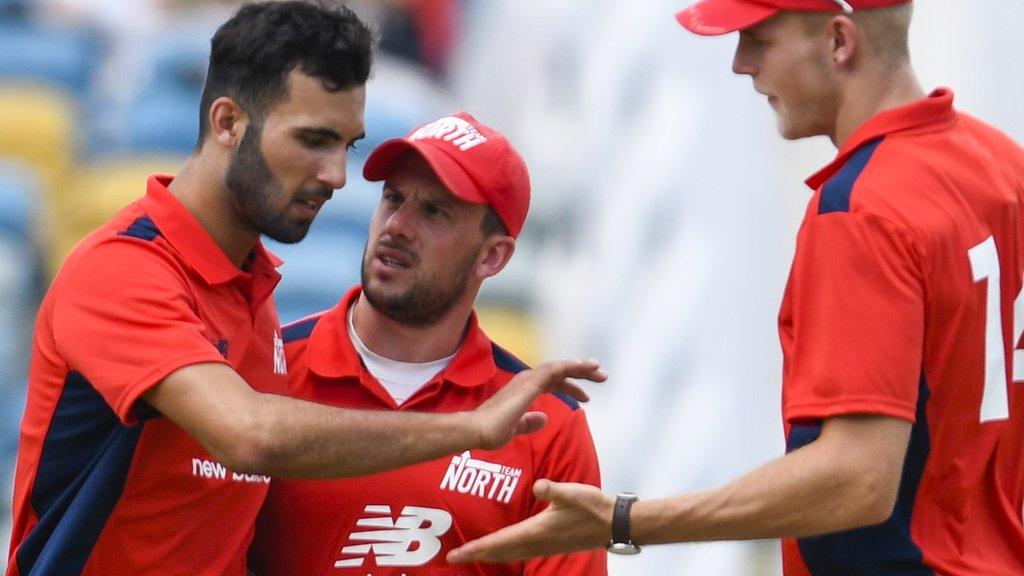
(621, 542)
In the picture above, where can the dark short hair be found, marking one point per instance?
(491, 224)
(252, 54)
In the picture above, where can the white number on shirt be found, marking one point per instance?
(994, 402)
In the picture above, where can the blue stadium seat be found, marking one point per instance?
(164, 115)
(63, 57)
(318, 271)
(167, 123)
(20, 266)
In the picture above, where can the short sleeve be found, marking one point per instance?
(852, 322)
(125, 318)
(569, 456)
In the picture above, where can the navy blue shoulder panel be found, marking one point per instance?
(886, 548)
(81, 475)
(143, 228)
(835, 196)
(506, 361)
(299, 330)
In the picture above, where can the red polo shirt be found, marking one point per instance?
(104, 484)
(404, 522)
(901, 303)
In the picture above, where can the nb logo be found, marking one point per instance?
(412, 539)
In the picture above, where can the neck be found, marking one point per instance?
(874, 93)
(395, 341)
(200, 187)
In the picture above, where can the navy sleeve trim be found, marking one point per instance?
(506, 361)
(835, 195)
(299, 330)
(143, 228)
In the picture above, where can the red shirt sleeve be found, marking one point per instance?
(125, 318)
(569, 456)
(852, 322)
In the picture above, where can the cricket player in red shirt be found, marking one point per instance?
(455, 196)
(155, 410)
(900, 326)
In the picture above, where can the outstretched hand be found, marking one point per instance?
(505, 414)
(579, 518)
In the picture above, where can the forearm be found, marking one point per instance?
(847, 478)
(798, 495)
(307, 440)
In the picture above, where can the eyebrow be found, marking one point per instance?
(446, 201)
(327, 133)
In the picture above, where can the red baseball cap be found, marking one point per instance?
(474, 161)
(715, 17)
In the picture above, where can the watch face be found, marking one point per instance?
(624, 548)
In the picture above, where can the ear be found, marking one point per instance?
(495, 253)
(228, 122)
(845, 40)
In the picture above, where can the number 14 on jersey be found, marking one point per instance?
(995, 403)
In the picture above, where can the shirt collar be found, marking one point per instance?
(180, 227)
(931, 113)
(332, 355)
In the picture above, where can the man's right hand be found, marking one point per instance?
(505, 415)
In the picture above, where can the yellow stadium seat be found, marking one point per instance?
(513, 330)
(96, 192)
(37, 128)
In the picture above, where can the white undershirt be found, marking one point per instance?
(400, 379)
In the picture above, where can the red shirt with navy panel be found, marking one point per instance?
(901, 302)
(105, 484)
(404, 522)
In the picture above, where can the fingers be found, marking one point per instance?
(531, 422)
(542, 489)
(555, 376)
(513, 543)
(557, 371)
(572, 389)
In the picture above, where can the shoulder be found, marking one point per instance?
(553, 404)
(126, 255)
(297, 333)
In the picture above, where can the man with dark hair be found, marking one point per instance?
(153, 421)
(901, 326)
(456, 194)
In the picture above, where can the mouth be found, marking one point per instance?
(395, 258)
(310, 207)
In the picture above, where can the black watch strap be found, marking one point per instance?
(621, 519)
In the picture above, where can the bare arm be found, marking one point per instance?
(275, 435)
(849, 477)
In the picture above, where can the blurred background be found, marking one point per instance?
(663, 220)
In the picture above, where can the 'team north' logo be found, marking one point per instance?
(488, 480)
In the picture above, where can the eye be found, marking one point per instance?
(314, 141)
(434, 210)
(352, 146)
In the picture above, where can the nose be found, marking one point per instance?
(332, 173)
(742, 62)
(399, 223)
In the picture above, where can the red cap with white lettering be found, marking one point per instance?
(715, 17)
(474, 161)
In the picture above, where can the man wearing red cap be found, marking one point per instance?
(454, 200)
(902, 317)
